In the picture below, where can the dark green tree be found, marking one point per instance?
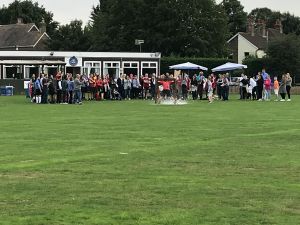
(237, 17)
(291, 23)
(70, 37)
(30, 13)
(185, 28)
(285, 54)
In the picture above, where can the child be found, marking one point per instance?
(209, 89)
(249, 91)
(276, 88)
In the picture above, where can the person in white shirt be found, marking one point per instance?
(254, 87)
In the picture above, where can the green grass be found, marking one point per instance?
(234, 163)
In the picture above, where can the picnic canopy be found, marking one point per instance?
(228, 67)
(188, 66)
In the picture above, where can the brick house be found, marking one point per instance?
(23, 37)
(253, 42)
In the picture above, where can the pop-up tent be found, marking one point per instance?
(188, 66)
(229, 67)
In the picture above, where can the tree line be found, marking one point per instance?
(183, 28)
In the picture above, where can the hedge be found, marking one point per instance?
(256, 65)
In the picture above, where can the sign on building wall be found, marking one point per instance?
(73, 61)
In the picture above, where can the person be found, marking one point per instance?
(241, 78)
(92, 85)
(276, 88)
(146, 86)
(194, 84)
(106, 86)
(225, 88)
(127, 87)
(260, 87)
(45, 83)
(77, 89)
(38, 90)
(100, 87)
(153, 86)
(267, 85)
(65, 93)
(264, 74)
(184, 87)
(51, 89)
(289, 81)
(209, 89)
(249, 91)
(58, 89)
(71, 89)
(214, 83)
(166, 87)
(244, 82)
(219, 86)
(254, 88)
(200, 79)
(32, 87)
(282, 88)
(135, 87)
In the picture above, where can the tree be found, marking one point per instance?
(237, 17)
(185, 28)
(70, 37)
(291, 23)
(30, 13)
(285, 54)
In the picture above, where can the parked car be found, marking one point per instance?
(234, 81)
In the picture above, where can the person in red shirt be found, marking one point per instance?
(100, 85)
(146, 86)
(166, 87)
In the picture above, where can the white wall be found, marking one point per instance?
(245, 46)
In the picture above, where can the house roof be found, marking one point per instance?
(258, 40)
(21, 35)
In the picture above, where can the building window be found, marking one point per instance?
(12, 72)
(247, 54)
(112, 69)
(92, 68)
(131, 68)
(30, 70)
(149, 68)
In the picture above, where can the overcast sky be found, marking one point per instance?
(66, 10)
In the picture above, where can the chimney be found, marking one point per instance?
(250, 26)
(19, 20)
(279, 26)
(43, 27)
(264, 30)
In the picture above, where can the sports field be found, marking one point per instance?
(111, 163)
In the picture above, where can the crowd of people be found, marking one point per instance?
(260, 87)
(65, 89)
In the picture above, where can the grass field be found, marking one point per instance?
(234, 163)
